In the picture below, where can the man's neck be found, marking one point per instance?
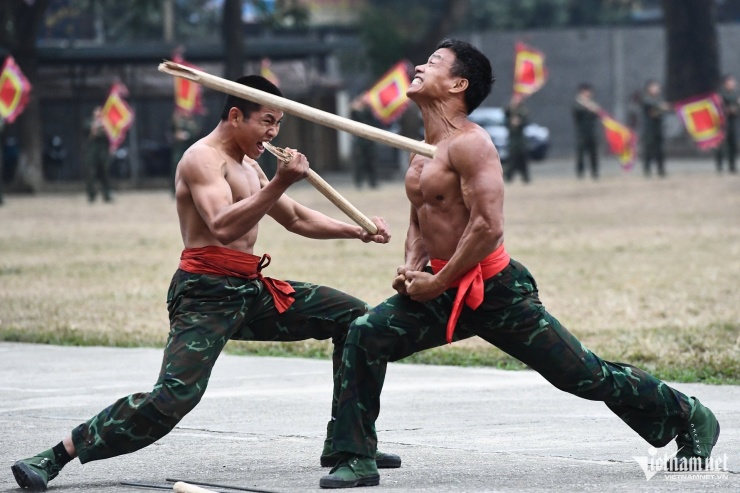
(441, 119)
(225, 142)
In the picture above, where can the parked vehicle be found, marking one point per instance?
(493, 121)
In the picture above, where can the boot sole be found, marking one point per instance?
(384, 463)
(329, 482)
(27, 478)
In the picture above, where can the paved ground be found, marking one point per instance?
(261, 425)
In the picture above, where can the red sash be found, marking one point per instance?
(470, 285)
(220, 261)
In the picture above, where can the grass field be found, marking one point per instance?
(643, 271)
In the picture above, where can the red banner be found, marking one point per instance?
(530, 73)
(14, 91)
(621, 139)
(704, 119)
(117, 115)
(187, 92)
(387, 98)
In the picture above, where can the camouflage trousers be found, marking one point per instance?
(205, 312)
(512, 318)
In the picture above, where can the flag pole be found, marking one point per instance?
(301, 110)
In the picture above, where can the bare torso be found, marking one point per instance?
(230, 181)
(436, 193)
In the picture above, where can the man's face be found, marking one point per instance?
(731, 84)
(654, 89)
(262, 125)
(433, 78)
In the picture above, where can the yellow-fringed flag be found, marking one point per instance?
(621, 139)
(704, 119)
(267, 73)
(117, 115)
(387, 97)
(530, 73)
(187, 92)
(14, 91)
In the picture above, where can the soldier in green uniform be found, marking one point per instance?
(653, 109)
(458, 281)
(586, 119)
(96, 157)
(218, 292)
(731, 106)
(516, 119)
(185, 132)
(363, 150)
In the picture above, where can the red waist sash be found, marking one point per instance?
(219, 261)
(470, 285)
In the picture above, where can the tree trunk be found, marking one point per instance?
(27, 20)
(233, 38)
(692, 66)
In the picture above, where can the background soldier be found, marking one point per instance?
(653, 109)
(516, 120)
(96, 157)
(731, 106)
(586, 119)
(363, 150)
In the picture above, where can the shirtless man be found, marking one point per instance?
(218, 293)
(455, 256)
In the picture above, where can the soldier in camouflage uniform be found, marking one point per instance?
(517, 117)
(653, 109)
(731, 106)
(96, 158)
(458, 281)
(586, 120)
(219, 293)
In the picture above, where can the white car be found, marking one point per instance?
(493, 121)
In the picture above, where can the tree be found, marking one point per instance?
(692, 49)
(233, 38)
(19, 24)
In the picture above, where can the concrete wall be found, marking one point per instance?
(617, 61)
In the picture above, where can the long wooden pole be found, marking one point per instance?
(298, 109)
(328, 191)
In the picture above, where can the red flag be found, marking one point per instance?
(267, 73)
(704, 119)
(387, 98)
(14, 91)
(117, 115)
(187, 92)
(530, 73)
(621, 139)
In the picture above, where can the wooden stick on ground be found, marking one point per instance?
(322, 186)
(182, 487)
(298, 109)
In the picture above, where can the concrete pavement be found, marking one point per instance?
(261, 425)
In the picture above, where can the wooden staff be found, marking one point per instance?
(181, 487)
(301, 110)
(327, 191)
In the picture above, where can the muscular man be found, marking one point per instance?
(218, 293)
(457, 281)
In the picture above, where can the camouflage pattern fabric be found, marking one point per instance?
(205, 312)
(513, 319)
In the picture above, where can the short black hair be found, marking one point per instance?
(248, 107)
(585, 86)
(474, 66)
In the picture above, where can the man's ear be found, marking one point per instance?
(234, 115)
(460, 85)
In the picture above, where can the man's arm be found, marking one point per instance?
(476, 160)
(202, 171)
(416, 256)
(310, 223)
